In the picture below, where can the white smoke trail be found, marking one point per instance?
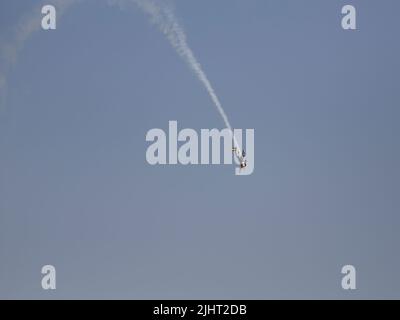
(27, 25)
(164, 17)
(161, 14)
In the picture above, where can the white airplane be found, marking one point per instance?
(241, 156)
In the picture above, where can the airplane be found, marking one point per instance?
(241, 156)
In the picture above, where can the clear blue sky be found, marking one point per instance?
(76, 190)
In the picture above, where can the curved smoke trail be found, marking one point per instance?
(164, 17)
(161, 14)
(26, 26)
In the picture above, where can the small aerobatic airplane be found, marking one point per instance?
(241, 156)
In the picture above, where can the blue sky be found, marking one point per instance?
(76, 190)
